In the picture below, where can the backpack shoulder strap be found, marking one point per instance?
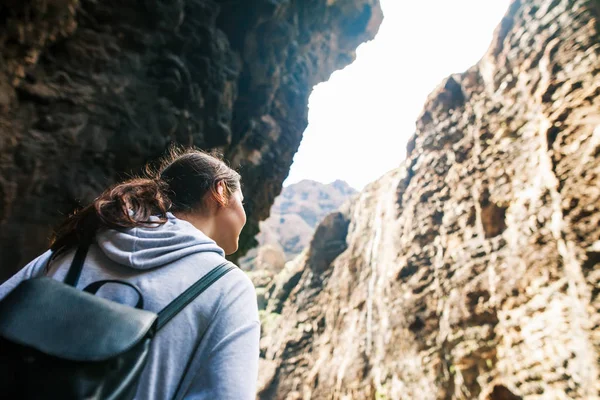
(74, 272)
(173, 308)
(88, 233)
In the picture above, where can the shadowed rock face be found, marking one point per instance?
(90, 91)
(472, 271)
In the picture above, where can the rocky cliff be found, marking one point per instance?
(472, 271)
(292, 221)
(90, 91)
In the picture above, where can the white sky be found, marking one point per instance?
(361, 119)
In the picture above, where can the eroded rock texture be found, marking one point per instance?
(91, 90)
(472, 271)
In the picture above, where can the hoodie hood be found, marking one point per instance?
(152, 247)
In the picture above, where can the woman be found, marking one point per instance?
(162, 234)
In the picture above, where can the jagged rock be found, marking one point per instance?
(472, 271)
(328, 242)
(90, 91)
(283, 283)
(293, 219)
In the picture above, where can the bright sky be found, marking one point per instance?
(361, 119)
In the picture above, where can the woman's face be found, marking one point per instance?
(229, 221)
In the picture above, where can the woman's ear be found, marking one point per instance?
(221, 196)
(220, 188)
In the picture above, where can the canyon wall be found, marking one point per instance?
(471, 272)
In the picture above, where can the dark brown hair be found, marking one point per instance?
(180, 183)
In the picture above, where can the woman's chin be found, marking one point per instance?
(229, 250)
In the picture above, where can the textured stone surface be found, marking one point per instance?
(90, 90)
(472, 271)
(292, 221)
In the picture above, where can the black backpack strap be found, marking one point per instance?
(88, 232)
(77, 264)
(171, 310)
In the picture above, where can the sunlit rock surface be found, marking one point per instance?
(472, 271)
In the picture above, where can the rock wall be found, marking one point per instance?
(90, 91)
(472, 272)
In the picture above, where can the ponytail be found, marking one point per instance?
(131, 204)
(126, 205)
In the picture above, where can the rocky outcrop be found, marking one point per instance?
(292, 221)
(472, 271)
(290, 230)
(90, 91)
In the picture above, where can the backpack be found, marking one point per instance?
(58, 342)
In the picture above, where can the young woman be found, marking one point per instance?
(163, 233)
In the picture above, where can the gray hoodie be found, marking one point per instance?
(209, 350)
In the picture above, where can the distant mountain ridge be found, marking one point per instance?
(312, 200)
(293, 219)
